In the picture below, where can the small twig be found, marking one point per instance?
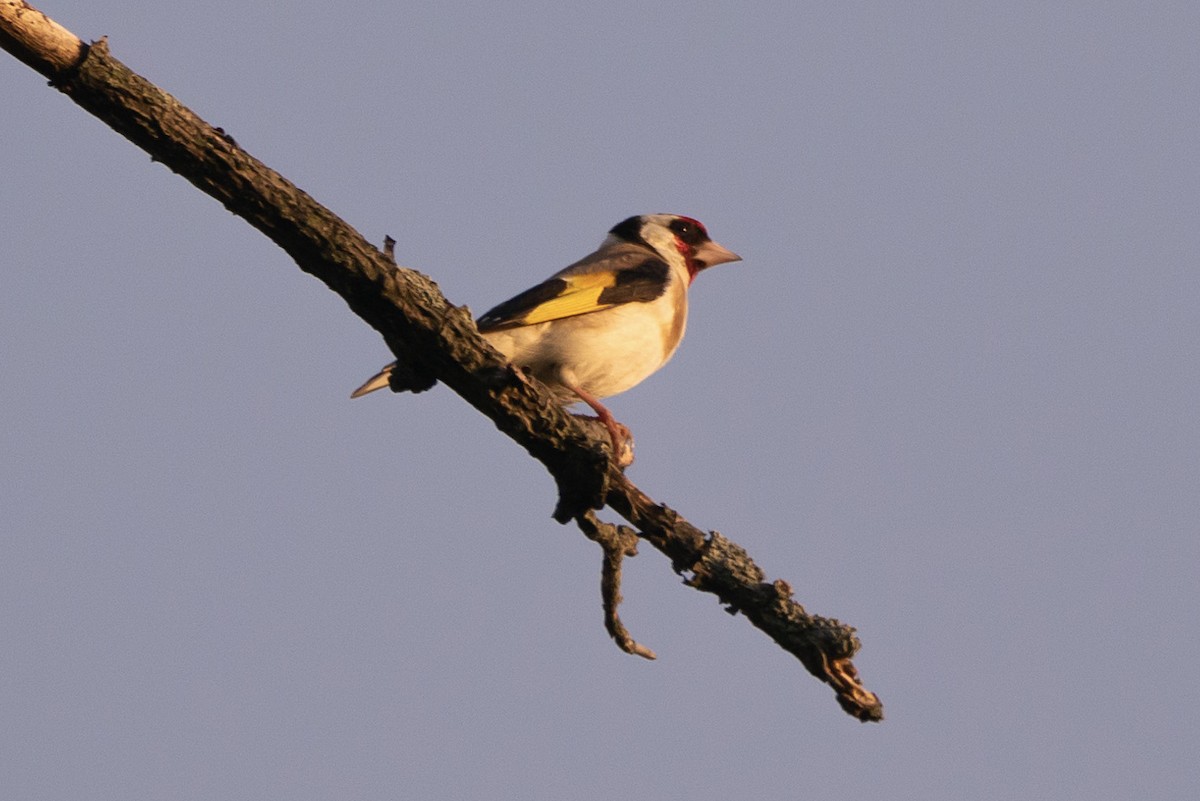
(617, 543)
(714, 564)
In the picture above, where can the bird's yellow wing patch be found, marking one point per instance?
(579, 295)
(582, 293)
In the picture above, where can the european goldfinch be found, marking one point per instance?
(608, 321)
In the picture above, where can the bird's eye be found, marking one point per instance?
(689, 230)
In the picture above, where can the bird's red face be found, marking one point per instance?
(698, 250)
(663, 233)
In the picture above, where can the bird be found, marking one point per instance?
(604, 324)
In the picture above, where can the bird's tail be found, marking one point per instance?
(377, 381)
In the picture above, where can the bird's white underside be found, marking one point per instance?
(605, 352)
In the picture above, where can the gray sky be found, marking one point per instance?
(951, 395)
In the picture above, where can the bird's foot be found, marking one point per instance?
(620, 438)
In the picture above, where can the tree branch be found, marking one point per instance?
(435, 341)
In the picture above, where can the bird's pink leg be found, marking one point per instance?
(616, 432)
